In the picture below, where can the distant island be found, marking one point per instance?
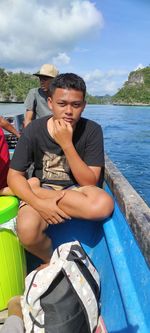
(135, 91)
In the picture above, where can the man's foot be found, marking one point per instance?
(14, 307)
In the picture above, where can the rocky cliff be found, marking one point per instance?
(135, 91)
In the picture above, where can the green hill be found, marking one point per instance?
(136, 90)
(15, 86)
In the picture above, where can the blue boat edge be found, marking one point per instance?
(120, 249)
(124, 258)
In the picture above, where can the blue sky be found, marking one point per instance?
(100, 40)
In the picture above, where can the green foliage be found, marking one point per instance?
(136, 90)
(98, 99)
(15, 86)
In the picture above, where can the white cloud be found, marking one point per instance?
(117, 72)
(34, 32)
(94, 75)
(61, 59)
(102, 83)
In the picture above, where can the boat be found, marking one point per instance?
(17, 121)
(120, 249)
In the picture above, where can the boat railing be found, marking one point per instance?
(135, 210)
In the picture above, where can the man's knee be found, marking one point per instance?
(100, 205)
(106, 205)
(29, 230)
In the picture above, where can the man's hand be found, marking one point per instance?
(49, 210)
(62, 133)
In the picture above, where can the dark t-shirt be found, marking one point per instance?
(51, 167)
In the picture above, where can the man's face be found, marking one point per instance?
(45, 82)
(67, 104)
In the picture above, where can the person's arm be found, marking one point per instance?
(29, 104)
(28, 117)
(47, 208)
(19, 185)
(8, 127)
(84, 174)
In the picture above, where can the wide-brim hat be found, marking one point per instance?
(47, 70)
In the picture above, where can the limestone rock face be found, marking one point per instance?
(136, 90)
(135, 78)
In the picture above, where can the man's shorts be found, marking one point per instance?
(55, 187)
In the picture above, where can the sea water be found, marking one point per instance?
(126, 138)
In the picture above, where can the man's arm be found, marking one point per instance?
(29, 104)
(8, 127)
(47, 208)
(84, 174)
(28, 117)
(20, 186)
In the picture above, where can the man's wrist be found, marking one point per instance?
(34, 201)
(67, 146)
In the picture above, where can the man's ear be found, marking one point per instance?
(49, 102)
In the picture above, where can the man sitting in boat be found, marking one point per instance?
(68, 154)
(36, 100)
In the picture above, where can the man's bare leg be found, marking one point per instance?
(14, 322)
(30, 230)
(14, 307)
(87, 202)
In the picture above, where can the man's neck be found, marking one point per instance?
(50, 126)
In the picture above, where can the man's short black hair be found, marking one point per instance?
(68, 81)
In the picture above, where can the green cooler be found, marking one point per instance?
(12, 256)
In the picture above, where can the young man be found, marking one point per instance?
(36, 100)
(68, 154)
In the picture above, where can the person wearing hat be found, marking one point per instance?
(36, 100)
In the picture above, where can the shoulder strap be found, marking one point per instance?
(81, 285)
